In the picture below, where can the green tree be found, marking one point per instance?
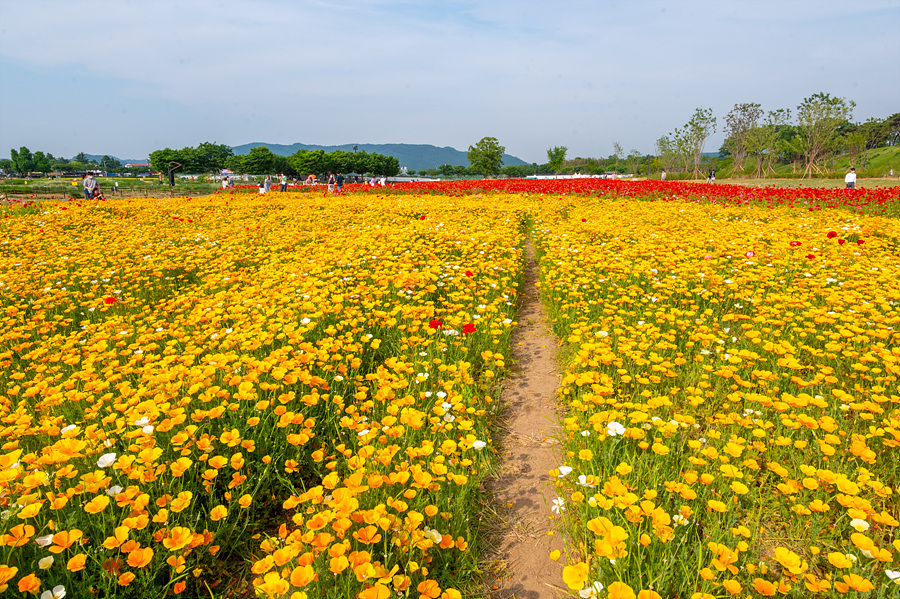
(7, 166)
(617, 153)
(486, 156)
(108, 163)
(160, 159)
(23, 160)
(211, 157)
(742, 119)
(42, 162)
(819, 117)
(556, 156)
(260, 161)
(698, 130)
(446, 170)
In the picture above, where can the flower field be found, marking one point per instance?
(302, 388)
(305, 385)
(732, 424)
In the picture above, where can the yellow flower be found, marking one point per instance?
(575, 575)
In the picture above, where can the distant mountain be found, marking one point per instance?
(97, 157)
(415, 157)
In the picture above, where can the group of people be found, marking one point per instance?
(91, 187)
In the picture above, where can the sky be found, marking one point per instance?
(125, 78)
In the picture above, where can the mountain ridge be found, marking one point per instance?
(412, 156)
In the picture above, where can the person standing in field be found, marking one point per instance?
(268, 184)
(339, 181)
(850, 179)
(283, 186)
(662, 176)
(90, 184)
(331, 182)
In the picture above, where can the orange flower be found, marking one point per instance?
(76, 564)
(29, 584)
(302, 575)
(379, 591)
(97, 504)
(576, 575)
(620, 590)
(272, 585)
(218, 512)
(140, 557)
(428, 589)
(764, 587)
(64, 539)
(245, 500)
(6, 574)
(125, 579)
(178, 538)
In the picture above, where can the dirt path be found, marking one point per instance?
(523, 493)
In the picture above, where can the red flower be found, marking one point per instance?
(811, 256)
(584, 220)
(795, 244)
(842, 241)
(831, 234)
(435, 324)
(468, 328)
(470, 274)
(750, 254)
(422, 217)
(109, 300)
(859, 242)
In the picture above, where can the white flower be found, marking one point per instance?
(559, 505)
(305, 321)
(114, 490)
(58, 592)
(106, 460)
(142, 422)
(893, 575)
(478, 445)
(66, 429)
(583, 481)
(434, 535)
(363, 432)
(591, 591)
(680, 520)
(44, 541)
(859, 525)
(564, 470)
(614, 428)
(45, 562)
(147, 429)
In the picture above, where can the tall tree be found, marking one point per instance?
(556, 156)
(742, 119)
(617, 153)
(666, 152)
(763, 141)
(23, 160)
(260, 161)
(819, 117)
(486, 156)
(697, 131)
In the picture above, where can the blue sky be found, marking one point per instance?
(127, 77)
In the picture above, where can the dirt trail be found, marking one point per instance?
(522, 494)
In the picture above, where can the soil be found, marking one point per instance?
(522, 493)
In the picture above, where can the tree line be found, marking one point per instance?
(25, 161)
(208, 158)
(757, 141)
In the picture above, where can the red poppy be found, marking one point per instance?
(468, 328)
(831, 234)
(109, 300)
(422, 217)
(470, 274)
(584, 220)
(859, 242)
(795, 244)
(842, 241)
(435, 324)
(811, 256)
